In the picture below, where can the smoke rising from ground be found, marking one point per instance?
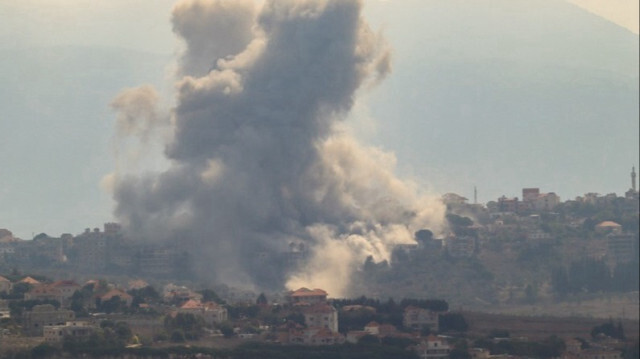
(258, 161)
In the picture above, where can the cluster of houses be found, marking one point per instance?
(321, 325)
(521, 221)
(95, 251)
(56, 320)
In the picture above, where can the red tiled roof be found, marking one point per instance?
(29, 280)
(608, 224)
(433, 338)
(137, 284)
(306, 292)
(191, 304)
(64, 283)
(211, 305)
(115, 292)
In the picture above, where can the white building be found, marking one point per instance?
(433, 348)
(57, 333)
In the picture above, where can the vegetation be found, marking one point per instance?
(609, 329)
(184, 325)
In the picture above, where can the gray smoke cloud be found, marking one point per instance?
(259, 160)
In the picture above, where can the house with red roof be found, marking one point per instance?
(60, 291)
(209, 311)
(306, 296)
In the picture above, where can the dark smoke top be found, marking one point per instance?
(259, 161)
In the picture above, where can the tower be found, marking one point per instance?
(475, 195)
(633, 178)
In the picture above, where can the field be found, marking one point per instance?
(538, 327)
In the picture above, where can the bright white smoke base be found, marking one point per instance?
(256, 157)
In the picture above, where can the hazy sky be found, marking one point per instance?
(57, 129)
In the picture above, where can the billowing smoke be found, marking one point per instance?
(259, 162)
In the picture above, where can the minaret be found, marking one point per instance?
(475, 195)
(633, 178)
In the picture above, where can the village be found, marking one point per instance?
(40, 315)
(103, 292)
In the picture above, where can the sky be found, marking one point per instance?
(498, 94)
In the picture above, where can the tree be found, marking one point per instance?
(458, 221)
(43, 350)
(424, 235)
(177, 336)
(459, 354)
(208, 295)
(452, 322)
(77, 303)
(262, 300)
(226, 329)
(113, 304)
(188, 323)
(608, 329)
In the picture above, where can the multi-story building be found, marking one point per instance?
(158, 260)
(57, 333)
(433, 348)
(42, 315)
(306, 296)
(91, 251)
(508, 204)
(419, 318)
(211, 312)
(621, 248)
(321, 315)
(461, 246)
(60, 291)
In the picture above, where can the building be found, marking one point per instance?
(537, 235)
(91, 249)
(306, 296)
(508, 204)
(530, 194)
(158, 260)
(452, 199)
(608, 227)
(42, 315)
(546, 202)
(433, 348)
(380, 330)
(315, 336)
(5, 285)
(56, 333)
(212, 313)
(461, 246)
(533, 200)
(321, 315)
(419, 318)
(621, 248)
(60, 291)
(29, 280)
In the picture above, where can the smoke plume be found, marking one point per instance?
(259, 166)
